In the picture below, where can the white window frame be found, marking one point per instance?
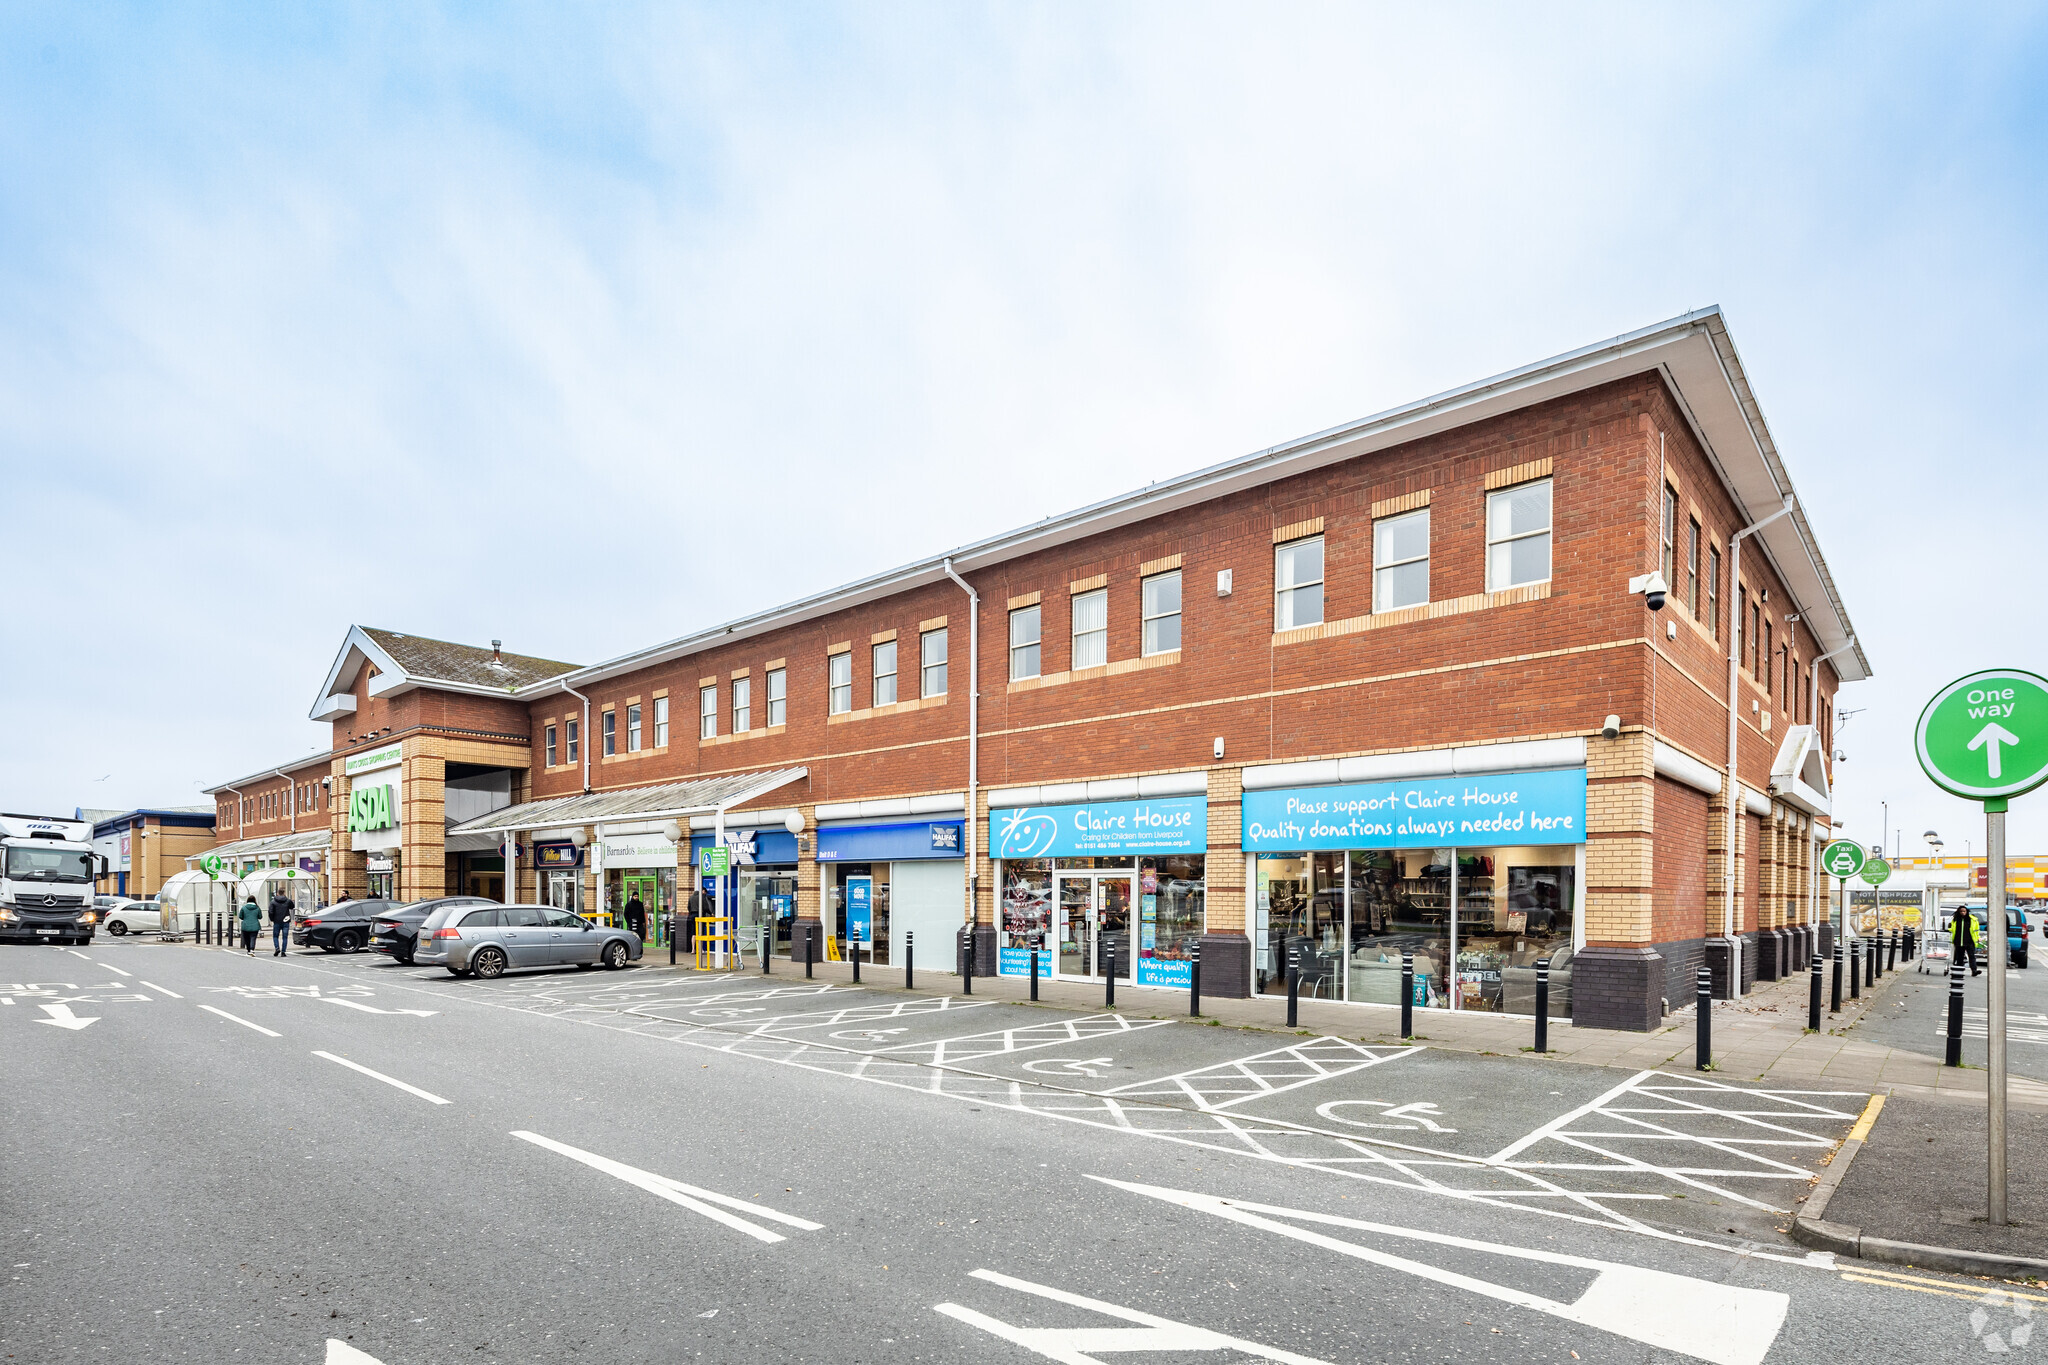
(927, 665)
(778, 697)
(1095, 639)
(1380, 566)
(573, 733)
(839, 683)
(1548, 528)
(661, 722)
(1035, 644)
(1284, 620)
(610, 726)
(1148, 639)
(876, 655)
(633, 727)
(707, 712)
(551, 746)
(742, 705)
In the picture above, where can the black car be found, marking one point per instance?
(396, 931)
(340, 928)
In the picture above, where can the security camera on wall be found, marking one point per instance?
(1611, 728)
(1653, 588)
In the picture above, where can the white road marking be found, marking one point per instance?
(1725, 1324)
(153, 986)
(1421, 1112)
(62, 1017)
(1224, 1084)
(426, 1095)
(1092, 1067)
(676, 1192)
(1073, 1344)
(110, 967)
(341, 1353)
(372, 1009)
(269, 1033)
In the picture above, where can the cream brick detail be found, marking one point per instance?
(1628, 755)
(1029, 599)
(739, 673)
(1079, 585)
(1617, 863)
(1407, 502)
(1312, 527)
(936, 623)
(1620, 808)
(711, 681)
(1617, 916)
(774, 664)
(1153, 566)
(843, 647)
(1519, 473)
(881, 637)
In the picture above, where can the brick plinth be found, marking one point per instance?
(1226, 966)
(1617, 988)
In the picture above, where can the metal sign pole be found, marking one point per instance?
(1994, 917)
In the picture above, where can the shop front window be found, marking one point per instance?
(878, 893)
(1027, 918)
(1172, 897)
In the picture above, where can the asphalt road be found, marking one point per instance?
(1915, 1016)
(254, 1159)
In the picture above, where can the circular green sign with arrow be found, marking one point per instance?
(1842, 858)
(1877, 872)
(1986, 736)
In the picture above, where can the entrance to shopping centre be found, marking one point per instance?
(489, 885)
(1095, 918)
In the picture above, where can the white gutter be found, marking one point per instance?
(582, 736)
(1734, 600)
(973, 736)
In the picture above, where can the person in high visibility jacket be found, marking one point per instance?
(1967, 938)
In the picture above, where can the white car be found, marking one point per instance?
(126, 916)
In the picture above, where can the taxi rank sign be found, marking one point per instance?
(1985, 738)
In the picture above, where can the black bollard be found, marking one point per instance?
(1109, 975)
(1954, 1054)
(1542, 1004)
(1703, 1042)
(967, 963)
(909, 959)
(1855, 966)
(1835, 1002)
(1195, 982)
(1892, 962)
(1293, 987)
(811, 950)
(1876, 951)
(767, 946)
(1034, 973)
(1407, 993)
(853, 951)
(1813, 997)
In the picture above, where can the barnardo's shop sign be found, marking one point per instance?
(1171, 824)
(1490, 808)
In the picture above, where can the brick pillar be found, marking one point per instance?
(1618, 979)
(808, 926)
(423, 861)
(345, 865)
(1226, 948)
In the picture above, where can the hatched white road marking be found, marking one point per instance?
(1074, 1344)
(426, 1095)
(1225, 1084)
(236, 1018)
(1725, 1324)
(690, 1197)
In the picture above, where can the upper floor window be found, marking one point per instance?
(1770, 658)
(633, 728)
(1091, 629)
(1159, 610)
(1298, 583)
(839, 683)
(885, 673)
(707, 712)
(931, 660)
(1400, 561)
(1668, 536)
(611, 733)
(575, 729)
(778, 696)
(1714, 590)
(1518, 536)
(1755, 634)
(660, 722)
(1692, 566)
(1024, 643)
(742, 705)
(551, 746)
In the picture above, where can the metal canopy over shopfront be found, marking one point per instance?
(259, 851)
(670, 801)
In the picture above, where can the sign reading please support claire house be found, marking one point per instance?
(1169, 824)
(1489, 808)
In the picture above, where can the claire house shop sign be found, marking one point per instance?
(1545, 807)
(1172, 824)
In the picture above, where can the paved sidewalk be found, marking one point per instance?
(1760, 1037)
(1919, 1178)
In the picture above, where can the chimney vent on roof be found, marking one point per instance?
(497, 654)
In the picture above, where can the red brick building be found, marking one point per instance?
(1386, 688)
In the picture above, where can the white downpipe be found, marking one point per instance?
(1734, 600)
(582, 734)
(511, 867)
(973, 735)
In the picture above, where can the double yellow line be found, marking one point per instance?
(1921, 1284)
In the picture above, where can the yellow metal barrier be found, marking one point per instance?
(712, 932)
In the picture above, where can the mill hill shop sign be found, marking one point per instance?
(1490, 808)
(1172, 824)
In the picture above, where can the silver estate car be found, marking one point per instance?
(490, 940)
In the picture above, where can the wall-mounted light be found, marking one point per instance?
(1611, 728)
(1219, 746)
(1223, 582)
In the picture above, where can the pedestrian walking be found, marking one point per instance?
(1962, 932)
(636, 917)
(280, 922)
(252, 923)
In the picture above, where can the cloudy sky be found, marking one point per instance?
(584, 327)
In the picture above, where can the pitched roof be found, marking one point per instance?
(471, 665)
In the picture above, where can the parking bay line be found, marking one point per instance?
(690, 1197)
(426, 1095)
(236, 1018)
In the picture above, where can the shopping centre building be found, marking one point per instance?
(1396, 686)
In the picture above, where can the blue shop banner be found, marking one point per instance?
(1423, 812)
(1169, 824)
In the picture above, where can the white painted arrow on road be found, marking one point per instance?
(372, 1009)
(62, 1017)
(1069, 1066)
(1988, 739)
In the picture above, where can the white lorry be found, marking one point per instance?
(46, 879)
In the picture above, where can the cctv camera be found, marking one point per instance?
(1653, 588)
(1611, 728)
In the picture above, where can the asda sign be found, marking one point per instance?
(370, 808)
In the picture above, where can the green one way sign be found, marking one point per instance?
(1986, 736)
